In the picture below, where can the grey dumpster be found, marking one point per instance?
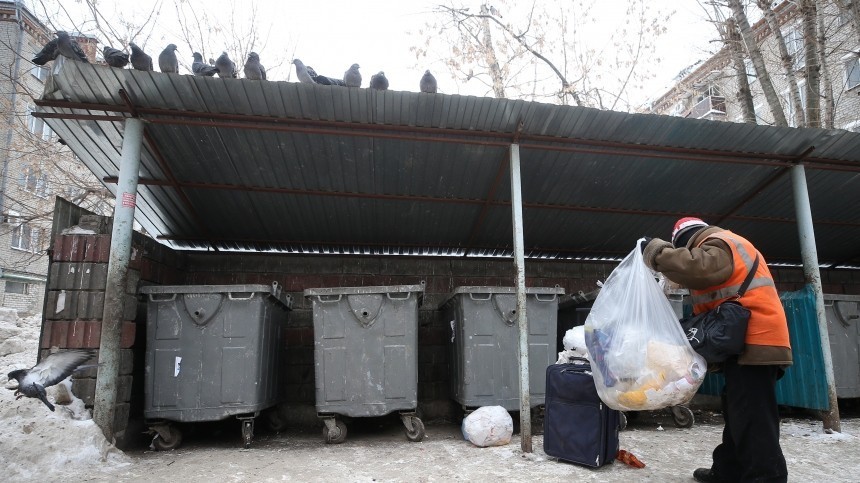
(843, 327)
(365, 355)
(485, 340)
(212, 352)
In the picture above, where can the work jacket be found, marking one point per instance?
(713, 265)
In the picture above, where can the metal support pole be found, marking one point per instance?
(809, 254)
(120, 251)
(522, 320)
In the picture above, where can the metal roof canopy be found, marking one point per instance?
(243, 165)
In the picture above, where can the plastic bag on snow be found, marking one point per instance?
(639, 354)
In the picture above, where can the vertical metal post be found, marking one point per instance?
(120, 251)
(522, 320)
(809, 255)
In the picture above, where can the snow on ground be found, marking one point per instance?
(36, 444)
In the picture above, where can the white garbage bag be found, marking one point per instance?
(488, 426)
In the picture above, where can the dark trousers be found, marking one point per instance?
(750, 449)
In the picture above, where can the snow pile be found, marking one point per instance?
(34, 442)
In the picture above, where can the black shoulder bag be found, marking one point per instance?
(720, 332)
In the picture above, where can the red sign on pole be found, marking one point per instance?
(129, 200)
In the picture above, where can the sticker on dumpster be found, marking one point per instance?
(176, 366)
(452, 331)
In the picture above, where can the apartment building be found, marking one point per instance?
(709, 89)
(34, 166)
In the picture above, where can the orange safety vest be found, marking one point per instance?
(767, 324)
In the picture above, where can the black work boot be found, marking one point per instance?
(705, 475)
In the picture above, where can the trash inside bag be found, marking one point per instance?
(639, 353)
(488, 426)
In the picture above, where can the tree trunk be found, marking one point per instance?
(733, 40)
(809, 12)
(490, 56)
(786, 59)
(829, 108)
(755, 55)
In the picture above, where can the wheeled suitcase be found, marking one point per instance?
(578, 426)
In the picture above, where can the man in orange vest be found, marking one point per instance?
(713, 263)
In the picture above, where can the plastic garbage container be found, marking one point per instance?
(212, 351)
(485, 344)
(843, 329)
(365, 355)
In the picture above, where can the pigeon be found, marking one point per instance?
(428, 83)
(379, 81)
(68, 48)
(352, 78)
(167, 61)
(198, 67)
(253, 69)
(139, 60)
(48, 53)
(321, 79)
(225, 66)
(302, 72)
(53, 369)
(115, 57)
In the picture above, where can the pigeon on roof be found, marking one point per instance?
(379, 81)
(254, 70)
(139, 59)
(67, 47)
(167, 61)
(225, 66)
(198, 67)
(115, 57)
(324, 80)
(53, 369)
(428, 83)
(302, 72)
(48, 53)
(352, 78)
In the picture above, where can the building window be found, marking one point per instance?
(34, 181)
(752, 76)
(40, 72)
(789, 106)
(34, 124)
(852, 72)
(17, 287)
(794, 43)
(25, 236)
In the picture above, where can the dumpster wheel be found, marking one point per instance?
(167, 438)
(247, 431)
(683, 416)
(335, 435)
(416, 433)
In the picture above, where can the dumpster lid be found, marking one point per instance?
(274, 290)
(311, 292)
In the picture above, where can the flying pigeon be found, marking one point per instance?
(428, 83)
(302, 72)
(352, 78)
(115, 57)
(139, 59)
(167, 61)
(225, 66)
(48, 53)
(379, 81)
(198, 67)
(53, 369)
(68, 48)
(321, 79)
(254, 70)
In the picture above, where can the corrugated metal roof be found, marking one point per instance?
(238, 164)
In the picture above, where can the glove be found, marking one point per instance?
(652, 249)
(647, 240)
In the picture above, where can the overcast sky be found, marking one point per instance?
(377, 34)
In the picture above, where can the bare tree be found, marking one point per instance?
(754, 52)
(809, 15)
(787, 60)
(829, 108)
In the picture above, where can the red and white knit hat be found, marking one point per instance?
(685, 224)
